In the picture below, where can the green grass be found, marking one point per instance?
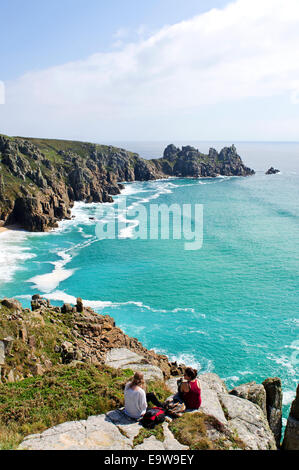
(192, 430)
(160, 389)
(64, 394)
(157, 432)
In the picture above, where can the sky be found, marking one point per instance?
(155, 70)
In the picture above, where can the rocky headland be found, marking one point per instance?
(63, 371)
(40, 179)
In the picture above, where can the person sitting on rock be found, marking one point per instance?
(190, 389)
(136, 398)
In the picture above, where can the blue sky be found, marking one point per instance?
(150, 70)
(40, 33)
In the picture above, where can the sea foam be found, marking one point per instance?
(13, 254)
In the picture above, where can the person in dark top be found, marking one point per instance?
(190, 389)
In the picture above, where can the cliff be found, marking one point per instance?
(63, 371)
(40, 178)
(291, 437)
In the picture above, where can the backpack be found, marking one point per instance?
(152, 417)
(175, 408)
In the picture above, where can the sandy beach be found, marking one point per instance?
(9, 228)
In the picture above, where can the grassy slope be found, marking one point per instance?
(50, 147)
(66, 393)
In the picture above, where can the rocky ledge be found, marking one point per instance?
(43, 346)
(40, 179)
(231, 423)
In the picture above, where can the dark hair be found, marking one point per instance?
(192, 373)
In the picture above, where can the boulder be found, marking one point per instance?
(274, 406)
(12, 304)
(253, 392)
(122, 358)
(96, 433)
(249, 422)
(291, 437)
(214, 382)
(67, 308)
(210, 403)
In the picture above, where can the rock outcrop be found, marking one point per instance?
(272, 171)
(237, 415)
(253, 392)
(291, 437)
(111, 431)
(189, 162)
(274, 406)
(41, 179)
(76, 333)
(243, 427)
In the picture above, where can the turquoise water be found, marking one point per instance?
(230, 307)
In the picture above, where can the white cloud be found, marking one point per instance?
(248, 49)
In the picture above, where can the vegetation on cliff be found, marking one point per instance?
(52, 367)
(65, 393)
(193, 430)
(65, 364)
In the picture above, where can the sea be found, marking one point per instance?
(230, 307)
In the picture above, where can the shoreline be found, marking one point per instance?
(11, 228)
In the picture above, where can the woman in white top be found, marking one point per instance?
(136, 399)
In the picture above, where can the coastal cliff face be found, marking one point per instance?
(35, 341)
(40, 179)
(291, 437)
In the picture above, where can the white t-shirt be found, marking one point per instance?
(135, 401)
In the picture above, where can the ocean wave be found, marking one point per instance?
(62, 296)
(203, 366)
(13, 254)
(48, 282)
(232, 379)
(285, 362)
(288, 397)
(88, 214)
